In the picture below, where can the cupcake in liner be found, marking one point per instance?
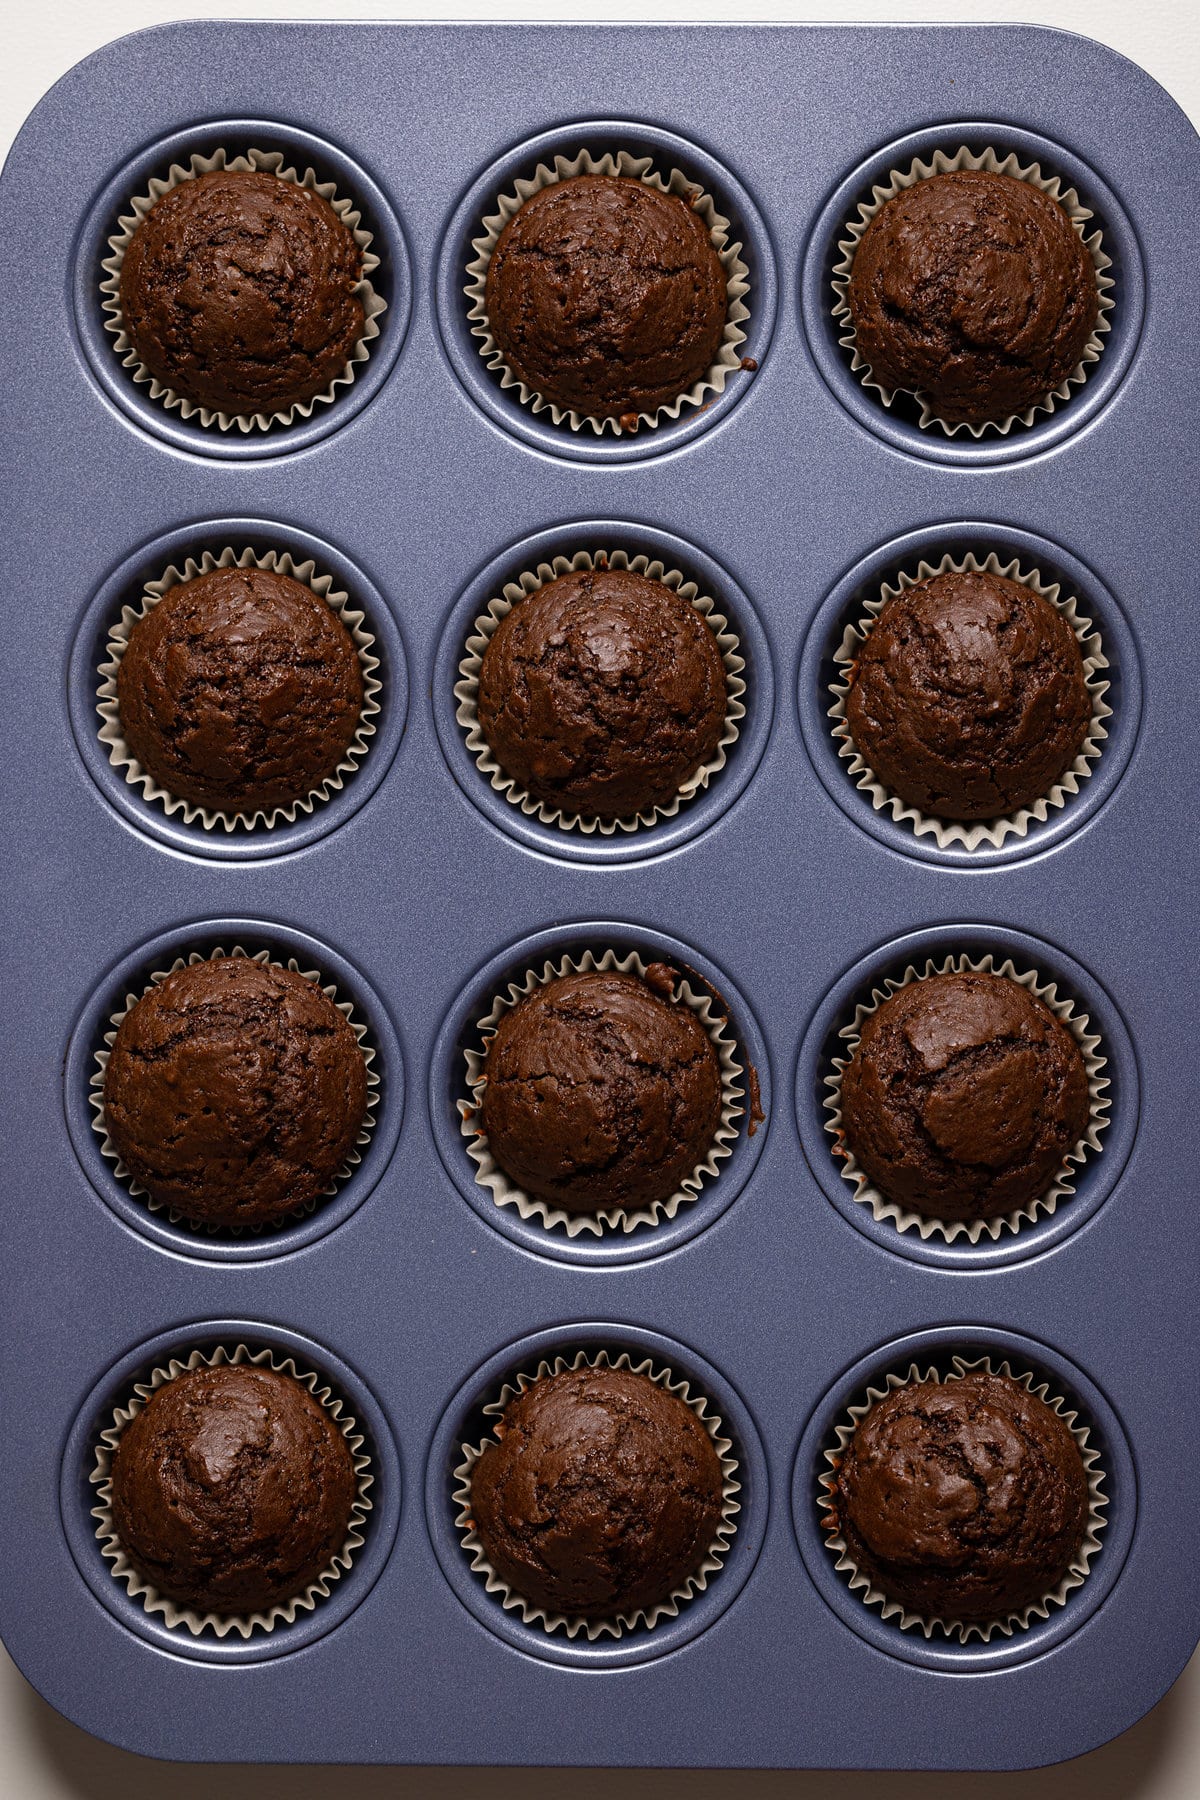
(504, 1192)
(695, 1583)
(941, 164)
(119, 753)
(272, 162)
(638, 168)
(964, 1630)
(108, 1148)
(221, 1624)
(466, 689)
(1061, 1188)
(989, 833)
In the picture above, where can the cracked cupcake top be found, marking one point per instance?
(964, 1096)
(963, 1500)
(602, 693)
(232, 1489)
(238, 291)
(600, 1091)
(602, 1495)
(975, 291)
(605, 295)
(235, 1091)
(968, 698)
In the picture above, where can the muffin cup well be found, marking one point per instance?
(272, 162)
(221, 1624)
(638, 168)
(489, 1175)
(964, 1630)
(1062, 1187)
(990, 833)
(338, 601)
(991, 161)
(695, 1583)
(466, 689)
(108, 1148)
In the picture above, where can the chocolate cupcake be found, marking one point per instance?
(599, 1091)
(602, 693)
(600, 1497)
(232, 1489)
(964, 1097)
(962, 1500)
(972, 289)
(969, 698)
(234, 1092)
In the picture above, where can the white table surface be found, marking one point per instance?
(42, 1757)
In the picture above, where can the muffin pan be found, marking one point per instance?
(421, 892)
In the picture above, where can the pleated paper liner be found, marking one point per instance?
(695, 1583)
(273, 162)
(504, 1192)
(466, 689)
(638, 168)
(109, 1151)
(964, 1630)
(186, 1617)
(941, 164)
(986, 833)
(1062, 1186)
(211, 818)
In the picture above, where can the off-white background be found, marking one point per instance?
(44, 1758)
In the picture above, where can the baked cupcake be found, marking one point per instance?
(239, 291)
(600, 1092)
(969, 698)
(232, 1489)
(240, 691)
(601, 1496)
(606, 296)
(975, 291)
(602, 693)
(963, 1500)
(234, 1092)
(963, 1097)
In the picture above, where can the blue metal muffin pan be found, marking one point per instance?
(422, 488)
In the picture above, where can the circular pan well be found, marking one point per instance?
(464, 1421)
(1093, 1181)
(124, 587)
(937, 1347)
(845, 603)
(77, 1495)
(447, 1085)
(131, 975)
(898, 426)
(695, 815)
(599, 136)
(392, 279)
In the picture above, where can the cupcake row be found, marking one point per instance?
(603, 697)
(602, 287)
(601, 1098)
(590, 1495)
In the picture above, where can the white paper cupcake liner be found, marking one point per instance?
(119, 753)
(504, 1192)
(1061, 1188)
(221, 1624)
(941, 164)
(273, 162)
(964, 1630)
(639, 168)
(466, 689)
(108, 1148)
(985, 833)
(695, 1583)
